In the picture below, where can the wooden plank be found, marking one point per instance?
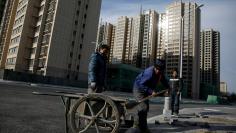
(79, 95)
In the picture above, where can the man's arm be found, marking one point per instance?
(147, 75)
(93, 68)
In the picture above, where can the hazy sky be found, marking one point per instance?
(217, 14)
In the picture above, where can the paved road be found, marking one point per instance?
(22, 112)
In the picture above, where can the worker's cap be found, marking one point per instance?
(160, 64)
(104, 46)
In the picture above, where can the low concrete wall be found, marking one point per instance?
(33, 78)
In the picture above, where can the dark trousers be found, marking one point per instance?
(96, 106)
(175, 102)
(140, 119)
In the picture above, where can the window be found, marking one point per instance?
(17, 30)
(76, 22)
(15, 40)
(37, 29)
(11, 61)
(50, 16)
(12, 50)
(41, 8)
(42, 62)
(21, 10)
(35, 39)
(69, 65)
(45, 39)
(33, 51)
(52, 6)
(43, 51)
(74, 32)
(19, 20)
(31, 62)
(47, 27)
(76, 77)
(39, 18)
(71, 54)
(21, 3)
(77, 12)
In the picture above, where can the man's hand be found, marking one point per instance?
(178, 92)
(93, 85)
(166, 94)
(154, 94)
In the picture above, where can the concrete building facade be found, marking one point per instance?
(53, 37)
(210, 57)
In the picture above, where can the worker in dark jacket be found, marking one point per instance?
(97, 70)
(145, 85)
(175, 87)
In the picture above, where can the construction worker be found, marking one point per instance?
(146, 85)
(97, 70)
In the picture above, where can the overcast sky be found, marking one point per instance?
(217, 14)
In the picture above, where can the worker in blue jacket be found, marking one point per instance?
(97, 70)
(145, 85)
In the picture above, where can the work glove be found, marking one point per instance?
(93, 85)
(154, 94)
(167, 94)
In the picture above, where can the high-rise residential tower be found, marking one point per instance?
(188, 32)
(137, 40)
(123, 41)
(162, 36)
(149, 44)
(210, 57)
(6, 29)
(53, 37)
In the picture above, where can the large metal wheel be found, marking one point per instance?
(94, 113)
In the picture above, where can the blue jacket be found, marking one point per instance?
(97, 69)
(146, 82)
